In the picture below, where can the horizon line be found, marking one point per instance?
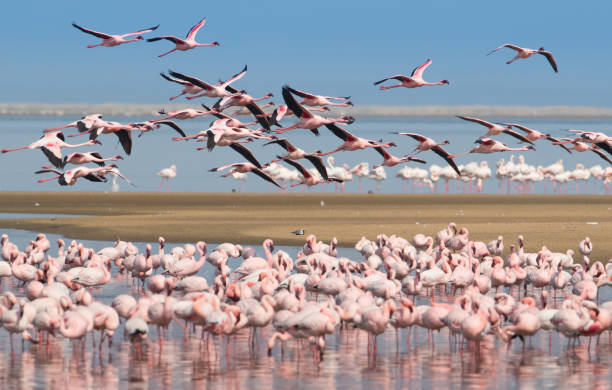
(428, 111)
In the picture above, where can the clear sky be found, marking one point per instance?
(330, 47)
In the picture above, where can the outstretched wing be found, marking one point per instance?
(318, 164)
(235, 77)
(194, 30)
(265, 176)
(283, 143)
(605, 146)
(91, 32)
(146, 30)
(418, 71)
(517, 136)
(398, 77)
(191, 79)
(514, 47)
(54, 155)
(382, 152)
(555, 140)
(444, 154)
(174, 126)
(246, 153)
(601, 154)
(175, 40)
(125, 138)
(301, 94)
(290, 101)
(551, 59)
(476, 120)
(299, 167)
(95, 178)
(340, 132)
(162, 74)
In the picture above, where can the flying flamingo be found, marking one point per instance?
(114, 40)
(185, 44)
(307, 120)
(320, 100)
(167, 174)
(583, 147)
(187, 113)
(391, 161)
(213, 91)
(84, 158)
(426, 143)
(146, 126)
(523, 52)
(69, 177)
(244, 168)
(189, 88)
(351, 142)
(488, 145)
(599, 139)
(495, 129)
(83, 124)
(534, 135)
(307, 178)
(414, 81)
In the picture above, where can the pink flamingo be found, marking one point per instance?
(70, 177)
(245, 168)
(189, 88)
(307, 178)
(488, 145)
(534, 135)
(213, 91)
(496, 129)
(523, 52)
(185, 44)
(414, 81)
(583, 147)
(307, 120)
(426, 143)
(352, 142)
(319, 100)
(391, 161)
(84, 158)
(187, 113)
(188, 266)
(83, 124)
(114, 40)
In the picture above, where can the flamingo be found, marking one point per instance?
(114, 40)
(189, 88)
(579, 146)
(426, 143)
(84, 158)
(84, 124)
(523, 52)
(319, 100)
(496, 129)
(187, 113)
(69, 177)
(244, 168)
(534, 135)
(185, 44)
(307, 120)
(167, 174)
(414, 81)
(488, 145)
(53, 142)
(351, 142)
(307, 178)
(391, 161)
(213, 91)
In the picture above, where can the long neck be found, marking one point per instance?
(76, 145)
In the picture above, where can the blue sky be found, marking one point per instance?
(329, 47)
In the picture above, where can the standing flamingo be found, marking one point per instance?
(167, 174)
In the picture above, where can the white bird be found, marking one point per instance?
(167, 174)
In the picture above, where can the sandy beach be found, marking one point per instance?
(558, 222)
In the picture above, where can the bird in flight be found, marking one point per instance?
(523, 52)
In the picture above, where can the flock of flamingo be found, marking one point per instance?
(396, 283)
(227, 130)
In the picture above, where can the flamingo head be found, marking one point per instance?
(139, 37)
(445, 82)
(349, 103)
(530, 147)
(95, 142)
(325, 108)
(541, 49)
(215, 43)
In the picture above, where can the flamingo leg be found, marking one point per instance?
(166, 53)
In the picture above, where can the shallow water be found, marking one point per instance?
(155, 150)
(409, 361)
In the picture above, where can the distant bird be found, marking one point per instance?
(244, 168)
(426, 143)
(495, 129)
(488, 145)
(167, 174)
(213, 91)
(114, 40)
(414, 81)
(523, 52)
(534, 135)
(320, 100)
(185, 44)
(189, 88)
(299, 232)
(583, 147)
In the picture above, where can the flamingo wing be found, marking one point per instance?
(415, 136)
(418, 71)
(125, 138)
(517, 136)
(174, 126)
(382, 152)
(340, 132)
(318, 164)
(116, 172)
(92, 154)
(216, 113)
(445, 155)
(417, 160)
(551, 60)
(95, 178)
(246, 153)
(601, 154)
(194, 30)
(92, 32)
(192, 80)
(265, 176)
(476, 120)
(398, 77)
(175, 40)
(146, 30)
(301, 94)
(284, 143)
(299, 167)
(235, 77)
(260, 115)
(290, 101)
(54, 155)
(514, 47)
(555, 140)
(162, 74)
(605, 146)
(222, 167)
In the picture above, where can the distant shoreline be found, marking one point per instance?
(131, 110)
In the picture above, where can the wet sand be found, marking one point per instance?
(559, 222)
